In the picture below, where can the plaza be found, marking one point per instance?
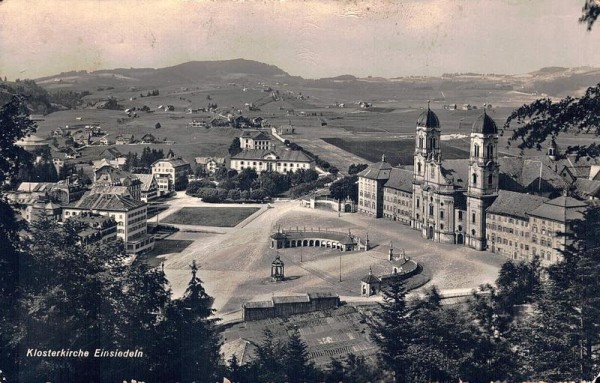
(235, 262)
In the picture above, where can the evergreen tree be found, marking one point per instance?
(269, 363)
(199, 341)
(391, 332)
(235, 147)
(297, 367)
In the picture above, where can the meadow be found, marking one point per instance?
(210, 216)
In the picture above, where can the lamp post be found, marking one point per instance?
(340, 266)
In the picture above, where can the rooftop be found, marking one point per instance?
(105, 202)
(561, 209)
(377, 171)
(515, 204)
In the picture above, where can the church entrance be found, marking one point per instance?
(430, 233)
(459, 239)
(347, 208)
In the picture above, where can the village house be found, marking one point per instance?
(210, 164)
(170, 174)
(112, 180)
(148, 139)
(149, 187)
(124, 139)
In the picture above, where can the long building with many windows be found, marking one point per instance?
(514, 206)
(280, 161)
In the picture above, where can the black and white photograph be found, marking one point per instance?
(300, 191)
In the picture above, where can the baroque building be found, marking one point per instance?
(485, 202)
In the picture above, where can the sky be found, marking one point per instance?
(312, 39)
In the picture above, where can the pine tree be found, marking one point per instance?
(199, 341)
(391, 332)
(298, 368)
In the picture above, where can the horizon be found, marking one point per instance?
(370, 38)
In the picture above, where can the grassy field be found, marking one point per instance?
(397, 152)
(210, 216)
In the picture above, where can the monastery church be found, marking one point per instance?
(510, 205)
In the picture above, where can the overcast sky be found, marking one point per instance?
(307, 38)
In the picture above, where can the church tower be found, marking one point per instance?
(427, 154)
(483, 178)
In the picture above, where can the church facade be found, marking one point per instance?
(470, 201)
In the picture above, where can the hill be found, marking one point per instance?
(187, 73)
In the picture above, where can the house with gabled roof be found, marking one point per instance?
(210, 164)
(170, 174)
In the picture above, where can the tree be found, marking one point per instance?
(15, 125)
(298, 368)
(590, 13)
(356, 168)
(268, 360)
(157, 125)
(235, 147)
(545, 118)
(345, 187)
(246, 177)
(391, 332)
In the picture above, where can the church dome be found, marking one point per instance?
(428, 119)
(484, 125)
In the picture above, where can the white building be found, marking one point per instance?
(170, 173)
(129, 214)
(252, 139)
(282, 161)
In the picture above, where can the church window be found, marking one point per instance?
(442, 227)
(473, 217)
(418, 167)
(441, 214)
(473, 232)
(474, 179)
(490, 151)
(490, 179)
(418, 203)
(460, 215)
(430, 209)
(476, 150)
(420, 142)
